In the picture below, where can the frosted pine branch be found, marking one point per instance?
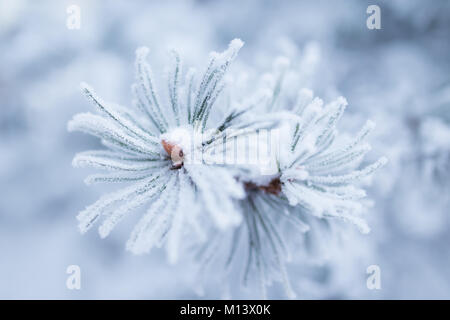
(142, 143)
(171, 151)
(318, 178)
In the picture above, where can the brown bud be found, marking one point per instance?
(175, 152)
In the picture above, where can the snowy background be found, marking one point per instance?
(398, 76)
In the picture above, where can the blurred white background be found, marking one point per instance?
(398, 76)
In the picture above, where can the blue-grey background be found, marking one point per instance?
(398, 76)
